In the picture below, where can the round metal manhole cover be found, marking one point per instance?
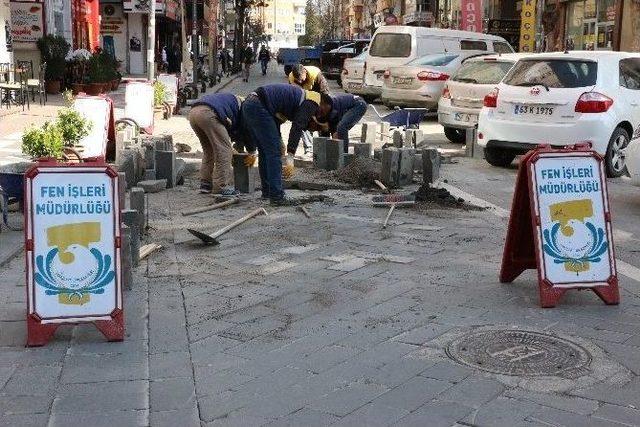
(520, 353)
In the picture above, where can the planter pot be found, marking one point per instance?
(115, 84)
(93, 89)
(52, 87)
(77, 88)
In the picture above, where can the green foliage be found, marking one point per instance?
(46, 141)
(102, 68)
(159, 93)
(68, 97)
(74, 127)
(53, 50)
(313, 26)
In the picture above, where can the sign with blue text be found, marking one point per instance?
(72, 234)
(560, 224)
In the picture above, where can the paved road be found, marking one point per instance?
(330, 321)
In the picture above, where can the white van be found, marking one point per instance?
(396, 45)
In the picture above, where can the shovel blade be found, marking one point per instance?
(206, 239)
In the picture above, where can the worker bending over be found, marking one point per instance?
(346, 112)
(262, 114)
(309, 77)
(215, 118)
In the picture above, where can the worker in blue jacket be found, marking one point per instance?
(215, 118)
(346, 112)
(262, 114)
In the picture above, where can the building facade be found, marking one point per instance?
(283, 21)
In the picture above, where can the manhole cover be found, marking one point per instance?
(520, 353)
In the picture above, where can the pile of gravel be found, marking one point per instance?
(360, 172)
(441, 197)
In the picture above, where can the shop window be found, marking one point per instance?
(630, 73)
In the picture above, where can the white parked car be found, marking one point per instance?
(419, 83)
(632, 157)
(463, 94)
(564, 98)
(352, 74)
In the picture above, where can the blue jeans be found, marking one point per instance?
(261, 127)
(349, 120)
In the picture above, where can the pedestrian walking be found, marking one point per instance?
(215, 118)
(309, 77)
(262, 114)
(248, 60)
(264, 57)
(346, 112)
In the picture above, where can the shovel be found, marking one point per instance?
(212, 239)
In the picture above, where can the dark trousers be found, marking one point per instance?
(349, 120)
(260, 126)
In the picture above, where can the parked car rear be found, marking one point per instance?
(331, 62)
(464, 92)
(419, 83)
(352, 74)
(562, 99)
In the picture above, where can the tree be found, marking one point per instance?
(313, 27)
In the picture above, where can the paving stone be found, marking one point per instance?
(153, 186)
(413, 394)
(101, 419)
(244, 177)
(373, 415)
(105, 367)
(5, 374)
(334, 149)
(390, 167)
(32, 381)
(368, 132)
(237, 418)
(422, 334)
(170, 365)
(618, 414)
(362, 149)
(130, 218)
(349, 265)
(447, 371)
(550, 416)
(436, 414)
(503, 412)
(30, 420)
(405, 168)
(398, 139)
(182, 417)
(212, 382)
(320, 152)
(473, 391)
(346, 400)
(554, 400)
(96, 397)
(166, 167)
(172, 393)
(137, 201)
(306, 417)
(430, 165)
(14, 404)
(624, 395)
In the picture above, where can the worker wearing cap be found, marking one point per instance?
(309, 77)
(346, 112)
(215, 118)
(262, 114)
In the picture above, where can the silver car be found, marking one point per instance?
(352, 75)
(419, 83)
(464, 92)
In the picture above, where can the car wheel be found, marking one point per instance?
(498, 157)
(457, 136)
(614, 159)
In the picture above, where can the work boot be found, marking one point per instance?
(284, 201)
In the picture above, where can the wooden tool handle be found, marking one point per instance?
(210, 207)
(236, 223)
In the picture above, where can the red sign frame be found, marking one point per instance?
(40, 329)
(522, 249)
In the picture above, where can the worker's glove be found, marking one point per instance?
(287, 166)
(250, 160)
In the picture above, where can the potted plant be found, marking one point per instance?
(77, 63)
(53, 50)
(159, 95)
(97, 74)
(73, 126)
(46, 141)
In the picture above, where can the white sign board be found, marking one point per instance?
(96, 110)
(72, 232)
(138, 103)
(574, 236)
(171, 84)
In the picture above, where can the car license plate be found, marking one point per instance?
(354, 85)
(466, 118)
(536, 110)
(402, 80)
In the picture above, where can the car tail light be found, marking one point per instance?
(593, 102)
(491, 99)
(480, 135)
(432, 76)
(445, 92)
(387, 73)
(345, 71)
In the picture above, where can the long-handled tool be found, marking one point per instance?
(210, 207)
(386, 220)
(212, 239)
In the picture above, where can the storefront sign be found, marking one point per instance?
(138, 104)
(561, 224)
(471, 15)
(142, 6)
(528, 26)
(73, 249)
(27, 24)
(426, 17)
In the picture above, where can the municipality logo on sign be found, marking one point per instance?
(572, 240)
(72, 269)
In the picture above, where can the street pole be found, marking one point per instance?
(194, 41)
(539, 29)
(151, 42)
